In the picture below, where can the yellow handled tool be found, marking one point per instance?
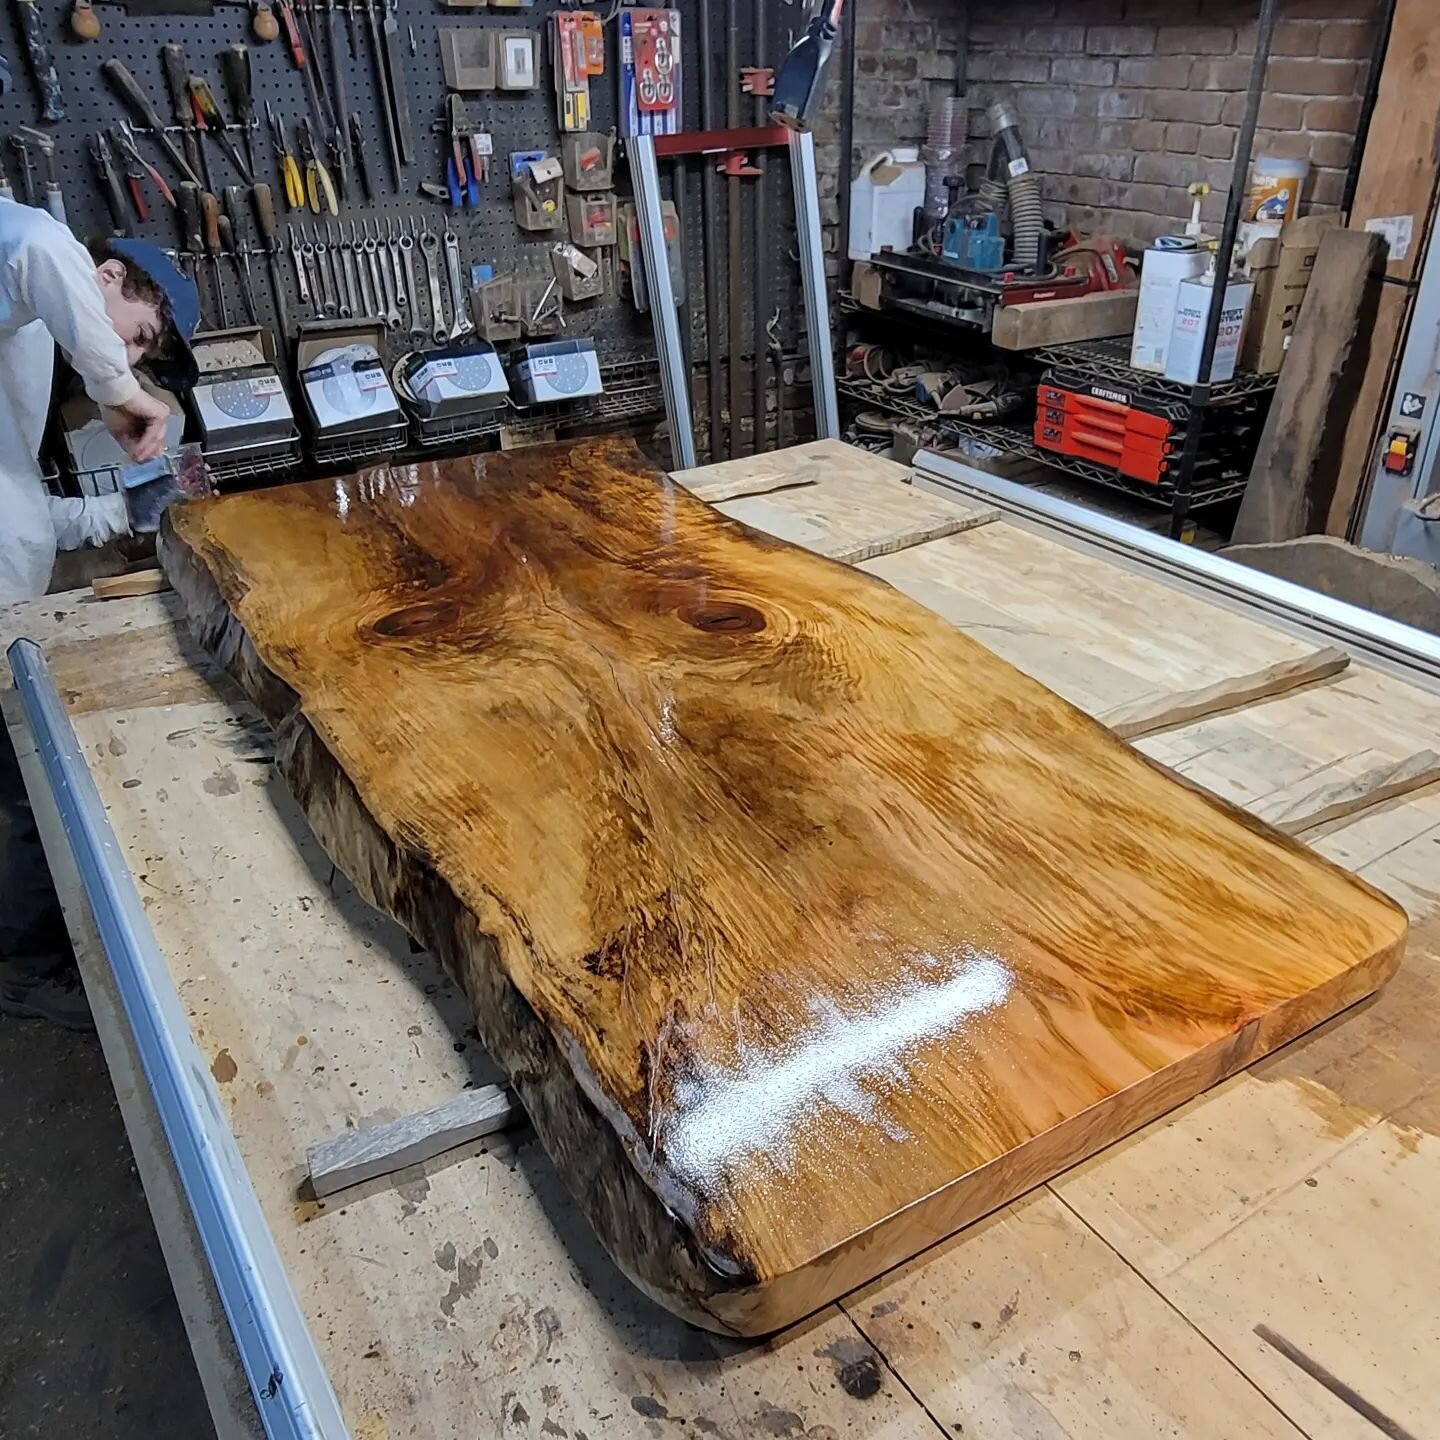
(318, 184)
(290, 179)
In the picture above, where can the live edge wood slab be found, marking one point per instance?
(807, 930)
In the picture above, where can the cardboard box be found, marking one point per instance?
(1280, 267)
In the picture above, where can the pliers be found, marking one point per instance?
(318, 185)
(462, 182)
(285, 157)
(137, 167)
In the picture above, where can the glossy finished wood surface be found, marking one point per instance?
(806, 928)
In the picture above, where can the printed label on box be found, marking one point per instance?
(266, 385)
(371, 378)
(544, 365)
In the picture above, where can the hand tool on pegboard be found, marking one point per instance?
(109, 183)
(239, 217)
(138, 103)
(319, 187)
(462, 179)
(226, 233)
(382, 76)
(211, 121)
(210, 220)
(137, 169)
(362, 165)
(192, 229)
(84, 22)
(44, 146)
(235, 76)
(296, 46)
(290, 178)
(297, 259)
(35, 31)
(341, 138)
(399, 88)
(263, 22)
(177, 85)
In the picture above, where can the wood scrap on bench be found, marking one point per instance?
(911, 536)
(124, 587)
(1297, 809)
(1163, 711)
(360, 1155)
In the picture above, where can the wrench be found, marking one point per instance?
(338, 255)
(407, 254)
(327, 278)
(402, 296)
(366, 294)
(347, 260)
(316, 302)
(297, 255)
(461, 311)
(380, 275)
(430, 249)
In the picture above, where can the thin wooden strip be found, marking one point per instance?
(360, 1155)
(1296, 809)
(907, 539)
(1161, 712)
(125, 587)
(718, 491)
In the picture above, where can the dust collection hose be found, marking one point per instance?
(1027, 220)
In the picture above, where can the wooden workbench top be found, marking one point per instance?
(1256, 1264)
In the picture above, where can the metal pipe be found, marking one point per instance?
(292, 1391)
(847, 136)
(674, 378)
(1383, 27)
(1244, 145)
(734, 200)
(761, 316)
(709, 216)
(812, 281)
(679, 177)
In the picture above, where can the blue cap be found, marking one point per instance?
(177, 370)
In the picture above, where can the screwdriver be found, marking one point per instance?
(209, 118)
(235, 76)
(264, 205)
(128, 88)
(192, 225)
(210, 214)
(227, 243)
(239, 217)
(177, 83)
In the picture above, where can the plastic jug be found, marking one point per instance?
(888, 190)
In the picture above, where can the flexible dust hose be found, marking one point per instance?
(1027, 219)
(995, 197)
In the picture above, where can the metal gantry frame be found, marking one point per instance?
(643, 151)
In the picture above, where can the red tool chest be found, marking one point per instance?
(1105, 426)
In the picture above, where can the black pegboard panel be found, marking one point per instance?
(517, 121)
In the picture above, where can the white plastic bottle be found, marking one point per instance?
(888, 190)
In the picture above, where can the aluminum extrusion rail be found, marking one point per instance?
(287, 1377)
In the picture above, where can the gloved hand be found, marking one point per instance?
(148, 503)
(139, 425)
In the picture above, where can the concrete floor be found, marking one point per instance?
(91, 1343)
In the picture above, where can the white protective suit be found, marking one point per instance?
(48, 295)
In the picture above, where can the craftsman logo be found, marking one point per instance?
(1118, 396)
(1412, 406)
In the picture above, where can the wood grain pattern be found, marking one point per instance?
(805, 928)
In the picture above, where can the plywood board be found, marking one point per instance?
(737, 853)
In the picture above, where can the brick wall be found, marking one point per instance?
(1123, 103)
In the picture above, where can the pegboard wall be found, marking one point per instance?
(522, 120)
